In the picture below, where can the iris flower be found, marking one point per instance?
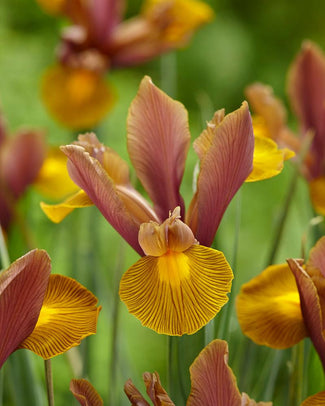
(85, 393)
(306, 90)
(213, 383)
(285, 303)
(21, 157)
(75, 90)
(47, 314)
(180, 283)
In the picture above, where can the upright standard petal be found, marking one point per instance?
(158, 141)
(134, 395)
(213, 382)
(85, 393)
(155, 391)
(310, 307)
(317, 256)
(268, 308)
(179, 292)
(224, 166)
(22, 289)
(68, 314)
(90, 176)
(21, 158)
(306, 88)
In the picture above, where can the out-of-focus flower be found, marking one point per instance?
(74, 90)
(47, 314)
(21, 157)
(306, 90)
(179, 285)
(212, 383)
(85, 393)
(285, 303)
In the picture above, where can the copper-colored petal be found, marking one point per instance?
(22, 290)
(155, 391)
(87, 173)
(85, 393)
(315, 400)
(212, 380)
(306, 89)
(134, 395)
(224, 168)
(317, 256)
(310, 307)
(68, 315)
(268, 308)
(21, 159)
(178, 292)
(158, 140)
(317, 194)
(57, 212)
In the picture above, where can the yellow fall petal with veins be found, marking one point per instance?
(57, 212)
(183, 17)
(68, 315)
(268, 159)
(53, 180)
(317, 194)
(268, 308)
(178, 292)
(77, 98)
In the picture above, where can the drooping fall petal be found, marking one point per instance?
(317, 194)
(310, 307)
(306, 89)
(57, 212)
(22, 290)
(225, 165)
(53, 179)
(178, 292)
(158, 141)
(315, 400)
(268, 308)
(90, 176)
(77, 98)
(213, 382)
(268, 159)
(68, 315)
(85, 393)
(21, 158)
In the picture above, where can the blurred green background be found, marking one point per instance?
(248, 41)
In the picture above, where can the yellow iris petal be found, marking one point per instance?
(179, 292)
(317, 194)
(183, 17)
(57, 212)
(268, 159)
(68, 315)
(268, 308)
(53, 180)
(77, 98)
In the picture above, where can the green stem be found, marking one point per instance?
(169, 368)
(283, 216)
(5, 260)
(295, 392)
(49, 381)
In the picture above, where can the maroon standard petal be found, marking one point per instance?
(226, 151)
(158, 141)
(310, 307)
(21, 159)
(306, 88)
(22, 290)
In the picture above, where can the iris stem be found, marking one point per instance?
(5, 260)
(169, 369)
(297, 363)
(49, 381)
(283, 215)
